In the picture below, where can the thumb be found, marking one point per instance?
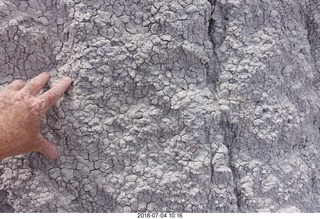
(48, 149)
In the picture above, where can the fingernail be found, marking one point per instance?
(54, 154)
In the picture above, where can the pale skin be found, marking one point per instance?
(21, 111)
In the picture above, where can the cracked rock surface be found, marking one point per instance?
(190, 106)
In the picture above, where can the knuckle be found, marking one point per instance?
(19, 96)
(36, 108)
(52, 95)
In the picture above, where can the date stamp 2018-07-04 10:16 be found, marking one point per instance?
(160, 215)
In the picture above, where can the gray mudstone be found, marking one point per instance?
(176, 106)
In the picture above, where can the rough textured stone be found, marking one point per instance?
(193, 106)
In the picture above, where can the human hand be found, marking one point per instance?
(20, 116)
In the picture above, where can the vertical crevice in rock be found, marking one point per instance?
(211, 24)
(212, 73)
(234, 173)
(312, 27)
(216, 33)
(230, 141)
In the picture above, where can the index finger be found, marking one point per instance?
(55, 93)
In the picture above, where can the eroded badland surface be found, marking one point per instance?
(192, 106)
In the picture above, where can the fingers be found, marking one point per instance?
(36, 84)
(15, 85)
(46, 100)
(47, 149)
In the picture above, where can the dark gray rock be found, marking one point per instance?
(190, 106)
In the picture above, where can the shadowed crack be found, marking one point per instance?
(229, 136)
(230, 140)
(4, 205)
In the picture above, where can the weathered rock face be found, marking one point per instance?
(192, 106)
